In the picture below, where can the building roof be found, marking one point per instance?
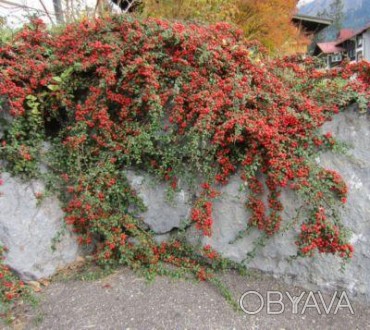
(345, 34)
(329, 47)
(312, 24)
(335, 46)
(352, 35)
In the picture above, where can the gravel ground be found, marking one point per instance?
(125, 301)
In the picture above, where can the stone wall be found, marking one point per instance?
(33, 230)
(324, 271)
(230, 217)
(29, 230)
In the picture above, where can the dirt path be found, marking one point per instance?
(126, 301)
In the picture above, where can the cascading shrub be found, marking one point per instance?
(178, 100)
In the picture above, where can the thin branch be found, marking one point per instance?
(128, 6)
(22, 6)
(46, 11)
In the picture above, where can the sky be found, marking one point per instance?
(304, 2)
(15, 11)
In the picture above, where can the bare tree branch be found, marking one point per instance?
(130, 4)
(46, 11)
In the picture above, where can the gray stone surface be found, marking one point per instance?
(163, 213)
(35, 235)
(322, 271)
(230, 217)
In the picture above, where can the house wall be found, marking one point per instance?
(366, 45)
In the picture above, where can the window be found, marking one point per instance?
(352, 54)
(359, 41)
(336, 57)
(359, 56)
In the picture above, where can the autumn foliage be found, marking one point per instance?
(268, 21)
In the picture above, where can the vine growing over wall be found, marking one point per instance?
(174, 99)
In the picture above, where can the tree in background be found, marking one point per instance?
(268, 21)
(58, 11)
(336, 14)
(335, 11)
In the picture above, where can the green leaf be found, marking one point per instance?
(54, 87)
(57, 79)
(31, 97)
